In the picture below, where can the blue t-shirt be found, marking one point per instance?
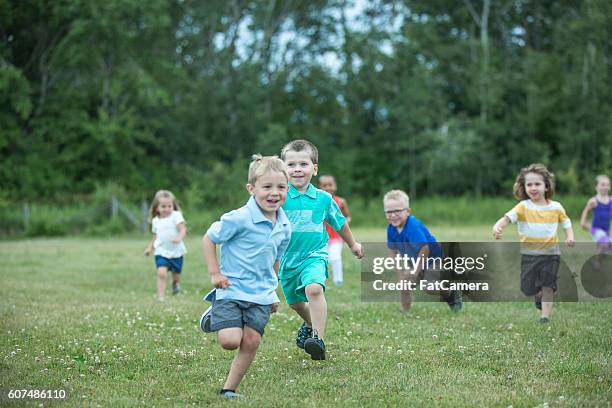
(412, 238)
(250, 244)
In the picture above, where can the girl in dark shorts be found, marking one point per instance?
(538, 218)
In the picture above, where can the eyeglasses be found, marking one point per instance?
(394, 212)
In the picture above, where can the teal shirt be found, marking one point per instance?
(307, 213)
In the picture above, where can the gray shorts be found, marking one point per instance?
(226, 313)
(537, 272)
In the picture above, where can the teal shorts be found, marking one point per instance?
(311, 271)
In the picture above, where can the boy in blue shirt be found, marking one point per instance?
(407, 235)
(303, 268)
(253, 238)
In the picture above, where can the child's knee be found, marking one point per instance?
(162, 272)
(250, 339)
(230, 339)
(314, 290)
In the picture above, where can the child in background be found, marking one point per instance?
(601, 205)
(252, 239)
(168, 226)
(538, 218)
(334, 245)
(407, 235)
(303, 268)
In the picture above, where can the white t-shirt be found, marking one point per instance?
(166, 230)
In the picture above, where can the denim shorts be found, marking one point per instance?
(228, 313)
(173, 264)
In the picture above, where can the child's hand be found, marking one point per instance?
(220, 281)
(357, 250)
(570, 242)
(274, 307)
(585, 226)
(497, 232)
(147, 251)
(176, 241)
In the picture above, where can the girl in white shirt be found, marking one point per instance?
(168, 227)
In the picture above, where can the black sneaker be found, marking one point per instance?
(303, 333)
(176, 289)
(544, 320)
(315, 347)
(454, 300)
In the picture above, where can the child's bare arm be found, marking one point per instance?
(585, 213)
(217, 279)
(499, 225)
(347, 236)
(149, 247)
(182, 232)
(345, 210)
(569, 237)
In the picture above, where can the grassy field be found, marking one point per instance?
(80, 315)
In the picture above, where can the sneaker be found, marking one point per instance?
(303, 333)
(315, 347)
(205, 320)
(455, 300)
(229, 394)
(544, 320)
(176, 289)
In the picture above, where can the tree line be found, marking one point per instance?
(435, 96)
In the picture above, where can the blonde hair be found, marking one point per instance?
(261, 165)
(537, 168)
(301, 145)
(399, 195)
(600, 177)
(162, 194)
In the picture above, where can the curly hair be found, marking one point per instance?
(537, 168)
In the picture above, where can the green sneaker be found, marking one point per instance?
(303, 333)
(315, 347)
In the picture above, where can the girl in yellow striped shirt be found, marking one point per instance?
(538, 217)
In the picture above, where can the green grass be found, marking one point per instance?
(80, 315)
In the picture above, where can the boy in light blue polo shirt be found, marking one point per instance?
(253, 238)
(304, 265)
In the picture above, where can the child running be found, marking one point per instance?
(601, 205)
(252, 239)
(538, 218)
(303, 268)
(168, 227)
(334, 245)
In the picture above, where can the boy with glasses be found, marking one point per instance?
(407, 235)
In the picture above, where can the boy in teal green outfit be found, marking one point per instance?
(303, 267)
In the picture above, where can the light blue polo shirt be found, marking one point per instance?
(250, 244)
(307, 212)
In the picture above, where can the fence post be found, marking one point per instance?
(145, 213)
(114, 207)
(26, 217)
